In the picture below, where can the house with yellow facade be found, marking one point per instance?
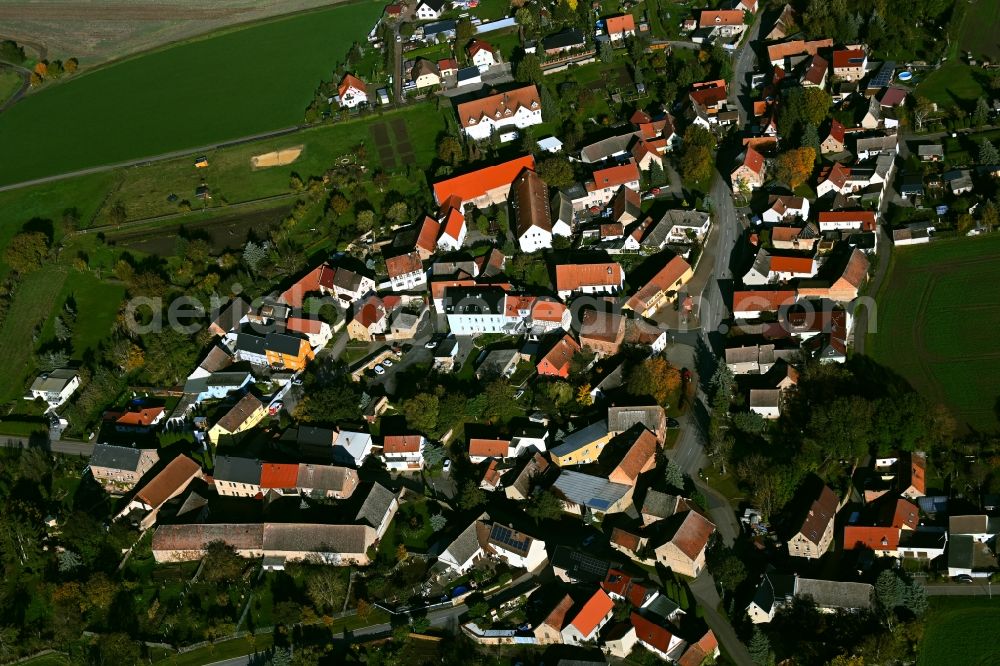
(582, 446)
(242, 416)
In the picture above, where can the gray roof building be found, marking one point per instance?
(621, 419)
(593, 492)
(237, 470)
(115, 457)
(582, 437)
(376, 505)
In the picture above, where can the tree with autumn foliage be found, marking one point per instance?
(795, 166)
(655, 377)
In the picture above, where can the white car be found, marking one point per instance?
(387, 363)
(379, 370)
(447, 465)
(430, 345)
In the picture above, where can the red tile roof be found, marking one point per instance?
(817, 70)
(848, 58)
(476, 46)
(821, 514)
(351, 81)
(753, 160)
(593, 612)
(371, 311)
(570, 277)
(791, 264)
(403, 264)
(874, 538)
(615, 176)
(619, 24)
(837, 130)
(762, 301)
(905, 514)
(692, 535)
(143, 417)
(177, 474)
(651, 633)
(546, 310)
(557, 618)
(454, 224)
(489, 448)
(626, 540)
(447, 63)
(473, 185)
(640, 117)
(918, 469)
(639, 457)
(279, 475)
(427, 239)
(401, 444)
(697, 653)
(499, 106)
(837, 174)
(720, 17)
(709, 93)
(556, 361)
(302, 325)
(663, 281)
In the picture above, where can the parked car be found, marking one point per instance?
(963, 578)
(430, 344)
(387, 363)
(655, 191)
(447, 465)
(673, 423)
(379, 370)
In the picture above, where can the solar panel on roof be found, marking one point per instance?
(507, 537)
(884, 75)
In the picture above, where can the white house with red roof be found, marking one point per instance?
(453, 230)
(481, 55)
(351, 92)
(521, 107)
(750, 172)
(785, 206)
(656, 638)
(619, 27)
(849, 64)
(589, 619)
(403, 453)
(406, 272)
(722, 22)
(606, 182)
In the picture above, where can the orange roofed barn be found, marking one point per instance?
(587, 622)
(485, 187)
(557, 360)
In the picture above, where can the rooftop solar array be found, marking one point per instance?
(508, 537)
(883, 77)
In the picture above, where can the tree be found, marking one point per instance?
(471, 496)
(500, 405)
(115, 649)
(339, 204)
(525, 17)
(41, 68)
(982, 113)
(35, 80)
(583, 395)
(729, 571)
(550, 108)
(544, 505)
(421, 412)
(450, 150)
(922, 108)
(556, 171)
(810, 139)
(438, 522)
(654, 376)
(816, 104)
(673, 475)
(26, 251)
(990, 218)
(365, 220)
(656, 175)
(364, 609)
(988, 154)
(606, 53)
(464, 31)
(528, 69)
(696, 164)
(760, 648)
(326, 589)
(11, 52)
(71, 65)
(795, 166)
(222, 564)
(398, 212)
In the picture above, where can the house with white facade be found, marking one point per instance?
(54, 387)
(475, 310)
(600, 278)
(481, 55)
(404, 453)
(429, 10)
(352, 92)
(520, 108)
(406, 272)
(515, 548)
(782, 207)
(529, 199)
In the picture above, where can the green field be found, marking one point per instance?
(937, 321)
(197, 93)
(979, 29)
(959, 632)
(10, 82)
(954, 83)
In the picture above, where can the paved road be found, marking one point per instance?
(743, 62)
(68, 447)
(703, 588)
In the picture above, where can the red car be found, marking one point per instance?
(655, 191)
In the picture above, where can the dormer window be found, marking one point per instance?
(534, 104)
(507, 112)
(472, 121)
(498, 114)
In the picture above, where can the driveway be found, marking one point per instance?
(980, 588)
(68, 447)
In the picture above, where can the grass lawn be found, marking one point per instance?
(979, 29)
(54, 659)
(221, 651)
(10, 82)
(205, 91)
(145, 190)
(954, 83)
(32, 304)
(955, 628)
(97, 304)
(936, 324)
(18, 428)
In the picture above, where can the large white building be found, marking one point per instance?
(519, 108)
